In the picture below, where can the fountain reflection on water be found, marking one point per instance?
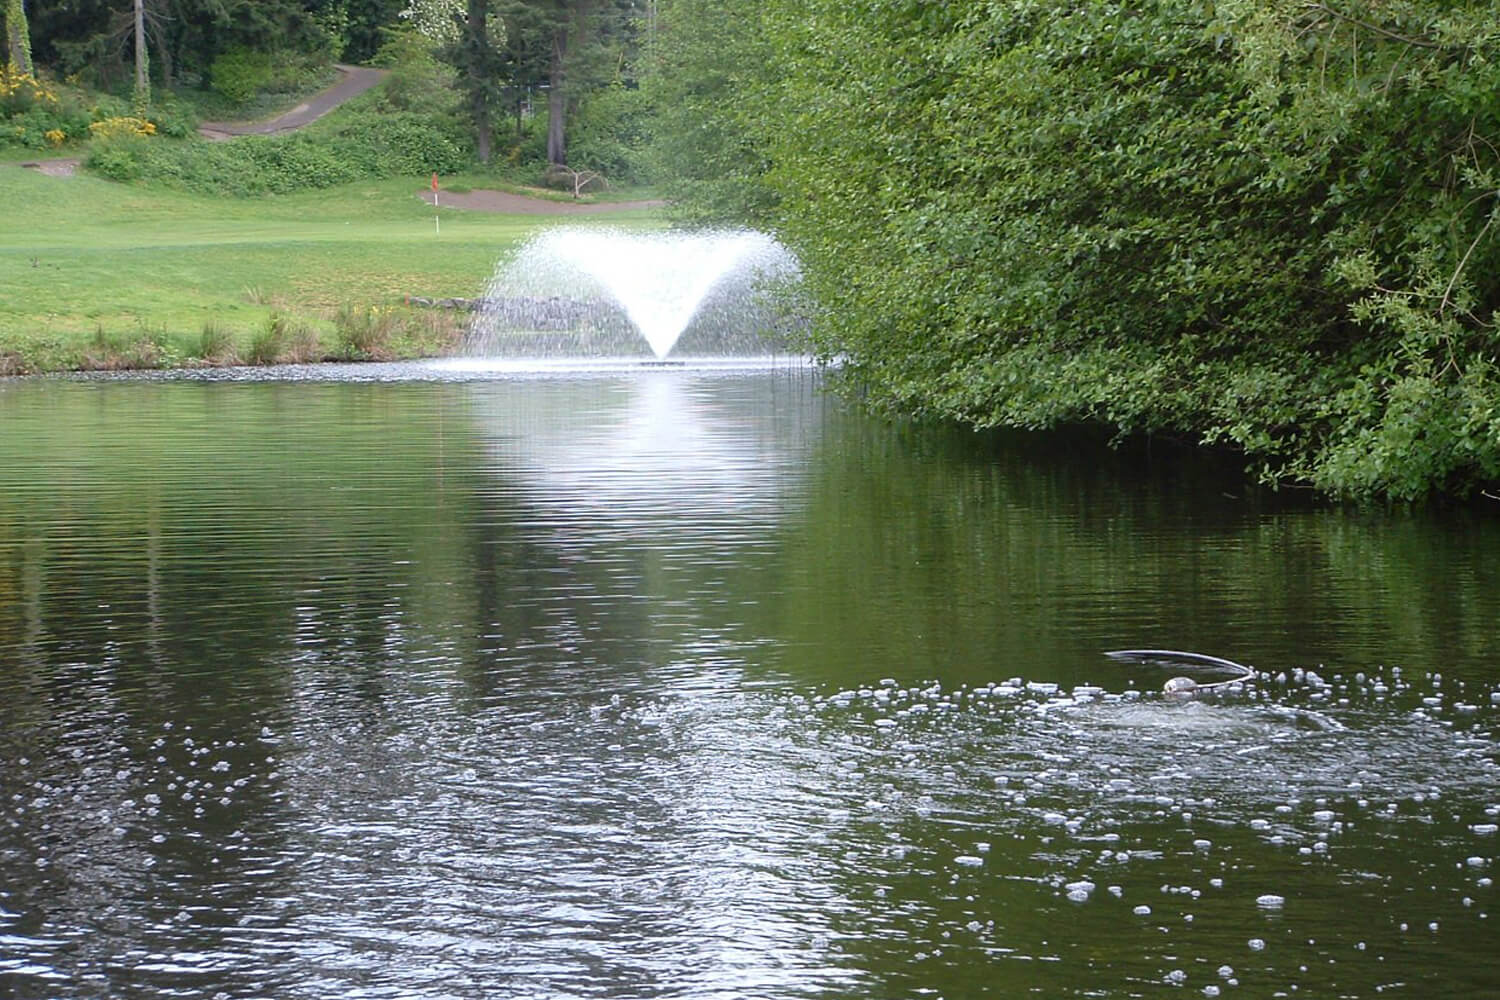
(593, 292)
(653, 454)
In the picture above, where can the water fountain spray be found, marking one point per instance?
(591, 291)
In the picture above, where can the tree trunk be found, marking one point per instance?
(142, 73)
(17, 36)
(164, 54)
(478, 18)
(482, 134)
(557, 104)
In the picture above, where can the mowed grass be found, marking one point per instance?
(98, 274)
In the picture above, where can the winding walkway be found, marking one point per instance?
(353, 81)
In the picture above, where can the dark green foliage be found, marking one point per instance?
(184, 37)
(714, 69)
(367, 24)
(418, 81)
(567, 53)
(358, 146)
(610, 134)
(478, 59)
(1268, 224)
(172, 117)
(238, 75)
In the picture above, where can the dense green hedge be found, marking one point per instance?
(1270, 224)
(359, 146)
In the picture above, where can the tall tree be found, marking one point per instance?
(480, 63)
(142, 67)
(469, 36)
(569, 45)
(17, 36)
(711, 71)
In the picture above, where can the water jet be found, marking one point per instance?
(595, 292)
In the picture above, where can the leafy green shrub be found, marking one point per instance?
(117, 161)
(295, 72)
(1269, 224)
(38, 114)
(43, 128)
(21, 92)
(611, 132)
(418, 81)
(239, 74)
(173, 118)
(368, 145)
(120, 147)
(525, 153)
(107, 106)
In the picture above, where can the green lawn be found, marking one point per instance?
(95, 274)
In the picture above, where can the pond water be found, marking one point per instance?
(692, 682)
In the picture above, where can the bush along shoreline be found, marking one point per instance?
(1268, 225)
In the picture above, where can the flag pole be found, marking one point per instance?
(437, 223)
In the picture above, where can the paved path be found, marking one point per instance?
(354, 81)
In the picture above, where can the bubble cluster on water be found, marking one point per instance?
(1260, 794)
(1228, 842)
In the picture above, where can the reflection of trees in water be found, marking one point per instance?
(997, 555)
(221, 563)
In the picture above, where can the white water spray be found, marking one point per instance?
(580, 281)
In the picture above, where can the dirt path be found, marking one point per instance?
(53, 168)
(520, 204)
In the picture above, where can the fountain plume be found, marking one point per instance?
(591, 292)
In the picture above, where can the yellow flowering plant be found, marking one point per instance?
(20, 92)
(124, 127)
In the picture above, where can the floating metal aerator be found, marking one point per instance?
(1187, 686)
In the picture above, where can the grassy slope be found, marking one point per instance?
(85, 261)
